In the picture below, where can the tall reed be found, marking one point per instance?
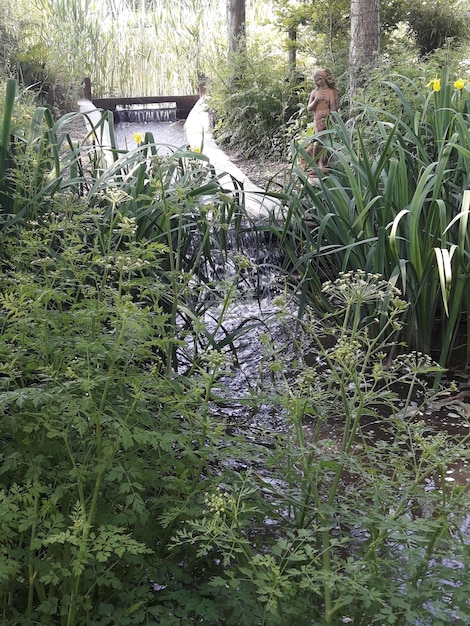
(5, 153)
(156, 49)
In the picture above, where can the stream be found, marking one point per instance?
(248, 410)
(170, 135)
(450, 414)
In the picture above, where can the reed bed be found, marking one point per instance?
(395, 203)
(153, 49)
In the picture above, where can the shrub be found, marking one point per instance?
(105, 445)
(437, 24)
(255, 101)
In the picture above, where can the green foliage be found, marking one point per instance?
(31, 155)
(437, 24)
(107, 371)
(125, 48)
(105, 446)
(5, 135)
(409, 77)
(357, 533)
(255, 100)
(17, 111)
(125, 498)
(322, 30)
(393, 204)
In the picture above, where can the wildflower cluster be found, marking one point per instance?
(116, 196)
(346, 351)
(121, 262)
(219, 502)
(415, 363)
(217, 360)
(358, 287)
(243, 262)
(307, 379)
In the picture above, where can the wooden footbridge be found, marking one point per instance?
(183, 104)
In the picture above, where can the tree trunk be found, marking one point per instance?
(292, 50)
(364, 44)
(236, 26)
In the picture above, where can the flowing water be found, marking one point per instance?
(146, 114)
(255, 305)
(248, 409)
(450, 414)
(169, 135)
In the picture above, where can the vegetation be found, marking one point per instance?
(126, 48)
(122, 495)
(394, 204)
(322, 29)
(152, 48)
(265, 110)
(141, 481)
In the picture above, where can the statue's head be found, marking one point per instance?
(327, 75)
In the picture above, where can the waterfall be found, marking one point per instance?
(146, 113)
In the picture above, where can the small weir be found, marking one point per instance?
(151, 106)
(145, 113)
(163, 116)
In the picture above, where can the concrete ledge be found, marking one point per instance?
(198, 135)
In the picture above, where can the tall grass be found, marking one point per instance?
(157, 48)
(5, 152)
(395, 202)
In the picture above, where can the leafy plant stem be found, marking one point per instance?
(31, 571)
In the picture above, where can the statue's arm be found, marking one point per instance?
(311, 101)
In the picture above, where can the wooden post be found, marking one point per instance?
(87, 88)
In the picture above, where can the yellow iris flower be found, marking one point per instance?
(435, 84)
(137, 137)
